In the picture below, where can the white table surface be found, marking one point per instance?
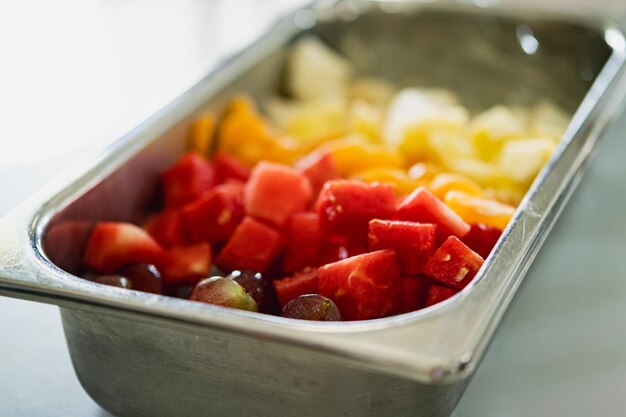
(76, 73)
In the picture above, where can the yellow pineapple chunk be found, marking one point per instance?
(374, 91)
(448, 146)
(416, 110)
(548, 120)
(365, 119)
(314, 70)
(442, 96)
(309, 120)
(490, 128)
(486, 174)
(497, 123)
(521, 159)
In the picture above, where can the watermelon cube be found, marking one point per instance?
(166, 227)
(481, 239)
(453, 264)
(187, 179)
(336, 248)
(289, 288)
(114, 244)
(227, 167)
(318, 167)
(254, 246)
(363, 286)
(275, 192)
(413, 293)
(303, 242)
(186, 265)
(214, 216)
(345, 207)
(438, 293)
(424, 207)
(413, 242)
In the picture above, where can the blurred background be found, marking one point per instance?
(75, 74)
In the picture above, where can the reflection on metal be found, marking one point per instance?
(527, 39)
(304, 19)
(485, 3)
(615, 39)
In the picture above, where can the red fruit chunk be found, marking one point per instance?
(336, 248)
(413, 293)
(438, 293)
(333, 253)
(187, 179)
(228, 167)
(303, 245)
(214, 216)
(422, 206)
(301, 283)
(114, 244)
(453, 264)
(253, 246)
(318, 167)
(166, 227)
(275, 192)
(345, 207)
(481, 239)
(363, 286)
(187, 264)
(413, 242)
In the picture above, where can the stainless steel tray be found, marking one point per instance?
(142, 354)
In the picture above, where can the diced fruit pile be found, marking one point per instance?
(351, 201)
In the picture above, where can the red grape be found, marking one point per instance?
(252, 282)
(145, 277)
(223, 292)
(114, 281)
(312, 307)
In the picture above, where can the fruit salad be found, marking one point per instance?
(352, 199)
